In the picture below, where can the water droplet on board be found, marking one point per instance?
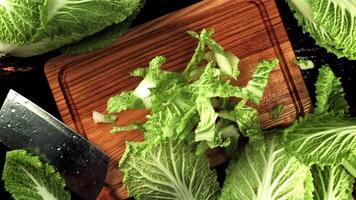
(13, 110)
(59, 148)
(9, 125)
(74, 137)
(61, 156)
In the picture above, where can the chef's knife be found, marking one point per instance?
(24, 125)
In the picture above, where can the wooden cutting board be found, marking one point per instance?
(252, 29)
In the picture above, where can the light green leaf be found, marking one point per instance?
(155, 80)
(43, 26)
(330, 96)
(103, 38)
(309, 186)
(249, 123)
(124, 101)
(331, 183)
(98, 40)
(205, 130)
(26, 177)
(227, 129)
(173, 112)
(349, 164)
(256, 86)
(304, 64)
(321, 139)
(331, 23)
(141, 96)
(20, 20)
(167, 171)
(103, 118)
(199, 53)
(269, 174)
(229, 115)
(276, 111)
(188, 121)
(227, 62)
(130, 127)
(210, 85)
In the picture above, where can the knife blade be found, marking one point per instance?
(24, 125)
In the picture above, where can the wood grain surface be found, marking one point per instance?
(252, 29)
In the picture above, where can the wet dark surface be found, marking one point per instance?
(30, 81)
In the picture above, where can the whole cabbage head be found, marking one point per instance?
(32, 27)
(332, 23)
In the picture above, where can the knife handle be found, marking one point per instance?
(105, 194)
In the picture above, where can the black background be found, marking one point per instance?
(29, 78)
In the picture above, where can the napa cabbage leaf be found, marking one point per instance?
(27, 177)
(330, 22)
(256, 86)
(349, 164)
(267, 174)
(330, 95)
(327, 137)
(34, 27)
(195, 99)
(169, 170)
(321, 139)
(332, 182)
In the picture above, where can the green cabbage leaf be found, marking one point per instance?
(34, 27)
(267, 174)
(330, 22)
(26, 177)
(168, 170)
(332, 182)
